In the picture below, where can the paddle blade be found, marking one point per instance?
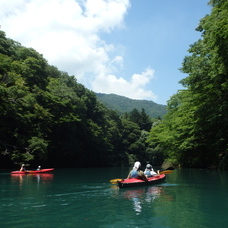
(166, 172)
(114, 181)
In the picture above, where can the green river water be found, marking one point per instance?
(85, 198)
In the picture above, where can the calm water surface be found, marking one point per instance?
(85, 198)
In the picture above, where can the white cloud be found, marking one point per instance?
(67, 33)
(133, 89)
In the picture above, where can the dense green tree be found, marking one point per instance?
(47, 117)
(208, 63)
(194, 132)
(145, 121)
(7, 46)
(140, 118)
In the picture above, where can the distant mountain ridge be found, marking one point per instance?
(123, 104)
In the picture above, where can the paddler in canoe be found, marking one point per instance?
(136, 172)
(149, 171)
(23, 167)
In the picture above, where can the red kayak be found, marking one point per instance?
(33, 171)
(134, 182)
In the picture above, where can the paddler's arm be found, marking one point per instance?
(128, 177)
(142, 175)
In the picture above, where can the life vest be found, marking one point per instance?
(134, 173)
(147, 173)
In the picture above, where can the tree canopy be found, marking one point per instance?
(194, 132)
(47, 117)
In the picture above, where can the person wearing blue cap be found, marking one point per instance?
(149, 171)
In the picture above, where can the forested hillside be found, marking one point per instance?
(47, 118)
(123, 104)
(194, 132)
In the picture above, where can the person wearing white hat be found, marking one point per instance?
(22, 167)
(136, 172)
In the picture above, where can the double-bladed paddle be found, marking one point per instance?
(114, 181)
(166, 172)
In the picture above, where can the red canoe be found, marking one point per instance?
(134, 182)
(33, 171)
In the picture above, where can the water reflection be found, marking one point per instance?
(39, 178)
(142, 197)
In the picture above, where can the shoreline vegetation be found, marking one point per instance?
(48, 118)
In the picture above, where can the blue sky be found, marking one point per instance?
(132, 48)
